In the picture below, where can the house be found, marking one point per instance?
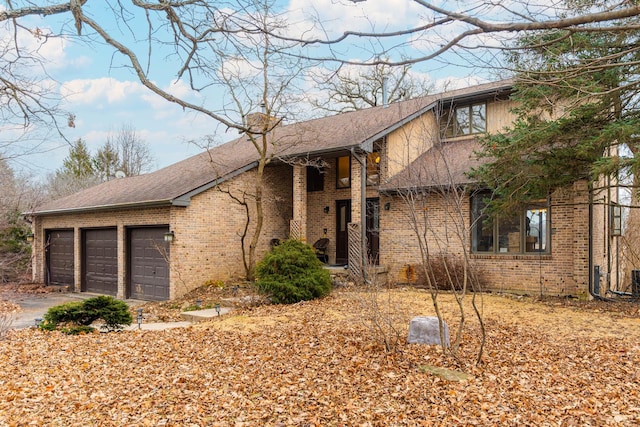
(159, 235)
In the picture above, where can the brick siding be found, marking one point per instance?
(563, 271)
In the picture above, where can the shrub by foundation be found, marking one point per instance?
(291, 272)
(446, 273)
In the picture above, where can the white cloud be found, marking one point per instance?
(333, 17)
(100, 90)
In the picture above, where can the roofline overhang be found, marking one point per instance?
(181, 201)
(507, 87)
(133, 205)
(185, 199)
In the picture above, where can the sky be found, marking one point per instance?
(103, 96)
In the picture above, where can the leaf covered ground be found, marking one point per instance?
(550, 362)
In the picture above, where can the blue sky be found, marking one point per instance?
(104, 96)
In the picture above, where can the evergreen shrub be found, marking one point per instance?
(77, 316)
(291, 272)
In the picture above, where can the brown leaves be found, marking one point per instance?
(312, 364)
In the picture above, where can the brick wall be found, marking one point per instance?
(208, 233)
(446, 225)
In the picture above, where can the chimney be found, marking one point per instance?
(385, 98)
(258, 123)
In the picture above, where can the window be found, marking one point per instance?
(523, 231)
(343, 172)
(615, 216)
(373, 168)
(464, 120)
(315, 179)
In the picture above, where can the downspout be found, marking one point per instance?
(590, 245)
(590, 250)
(363, 214)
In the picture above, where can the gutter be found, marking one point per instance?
(133, 205)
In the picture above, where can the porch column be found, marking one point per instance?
(298, 226)
(358, 211)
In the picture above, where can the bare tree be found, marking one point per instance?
(477, 26)
(124, 151)
(17, 194)
(355, 88)
(29, 101)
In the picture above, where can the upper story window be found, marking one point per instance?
(464, 120)
(315, 179)
(524, 231)
(343, 172)
(373, 168)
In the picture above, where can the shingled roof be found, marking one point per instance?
(443, 165)
(175, 184)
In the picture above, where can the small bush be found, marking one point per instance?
(77, 316)
(69, 312)
(447, 273)
(291, 272)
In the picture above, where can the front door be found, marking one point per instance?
(343, 217)
(373, 230)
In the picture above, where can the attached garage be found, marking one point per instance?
(59, 257)
(148, 263)
(100, 261)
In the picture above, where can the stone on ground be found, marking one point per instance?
(425, 330)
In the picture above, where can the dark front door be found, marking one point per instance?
(343, 217)
(373, 230)
(101, 261)
(59, 254)
(148, 263)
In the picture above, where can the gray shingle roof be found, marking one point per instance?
(174, 184)
(442, 165)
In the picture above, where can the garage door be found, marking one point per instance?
(149, 269)
(101, 261)
(59, 255)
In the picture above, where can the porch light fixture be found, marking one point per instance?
(169, 236)
(387, 206)
(29, 238)
(326, 209)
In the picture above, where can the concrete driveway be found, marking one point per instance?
(36, 305)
